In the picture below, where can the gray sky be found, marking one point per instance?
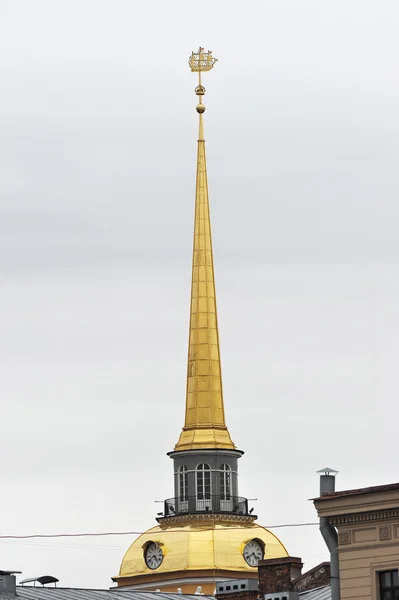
(97, 155)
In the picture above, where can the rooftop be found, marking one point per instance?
(322, 593)
(58, 593)
(359, 491)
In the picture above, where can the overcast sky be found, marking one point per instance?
(97, 154)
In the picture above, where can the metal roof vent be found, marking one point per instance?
(327, 480)
(327, 471)
(44, 579)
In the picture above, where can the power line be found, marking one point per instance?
(291, 525)
(67, 535)
(110, 533)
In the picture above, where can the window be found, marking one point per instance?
(225, 482)
(203, 482)
(183, 484)
(389, 585)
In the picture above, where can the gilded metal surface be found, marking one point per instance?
(204, 425)
(201, 60)
(201, 542)
(205, 546)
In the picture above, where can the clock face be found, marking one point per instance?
(153, 556)
(253, 553)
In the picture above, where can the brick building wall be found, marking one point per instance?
(278, 574)
(244, 595)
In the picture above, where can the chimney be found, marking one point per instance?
(329, 533)
(8, 586)
(277, 576)
(327, 480)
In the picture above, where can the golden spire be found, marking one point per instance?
(204, 425)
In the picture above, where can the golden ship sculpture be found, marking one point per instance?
(201, 60)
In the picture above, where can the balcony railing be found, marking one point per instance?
(205, 504)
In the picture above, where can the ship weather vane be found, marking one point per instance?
(200, 61)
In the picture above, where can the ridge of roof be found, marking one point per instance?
(356, 492)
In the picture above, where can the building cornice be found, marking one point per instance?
(212, 451)
(178, 581)
(178, 577)
(374, 515)
(188, 519)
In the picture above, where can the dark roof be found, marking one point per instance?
(58, 593)
(313, 570)
(368, 490)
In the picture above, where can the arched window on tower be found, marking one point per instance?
(183, 484)
(225, 482)
(203, 483)
(226, 502)
(183, 489)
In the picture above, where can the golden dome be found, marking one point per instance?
(200, 546)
